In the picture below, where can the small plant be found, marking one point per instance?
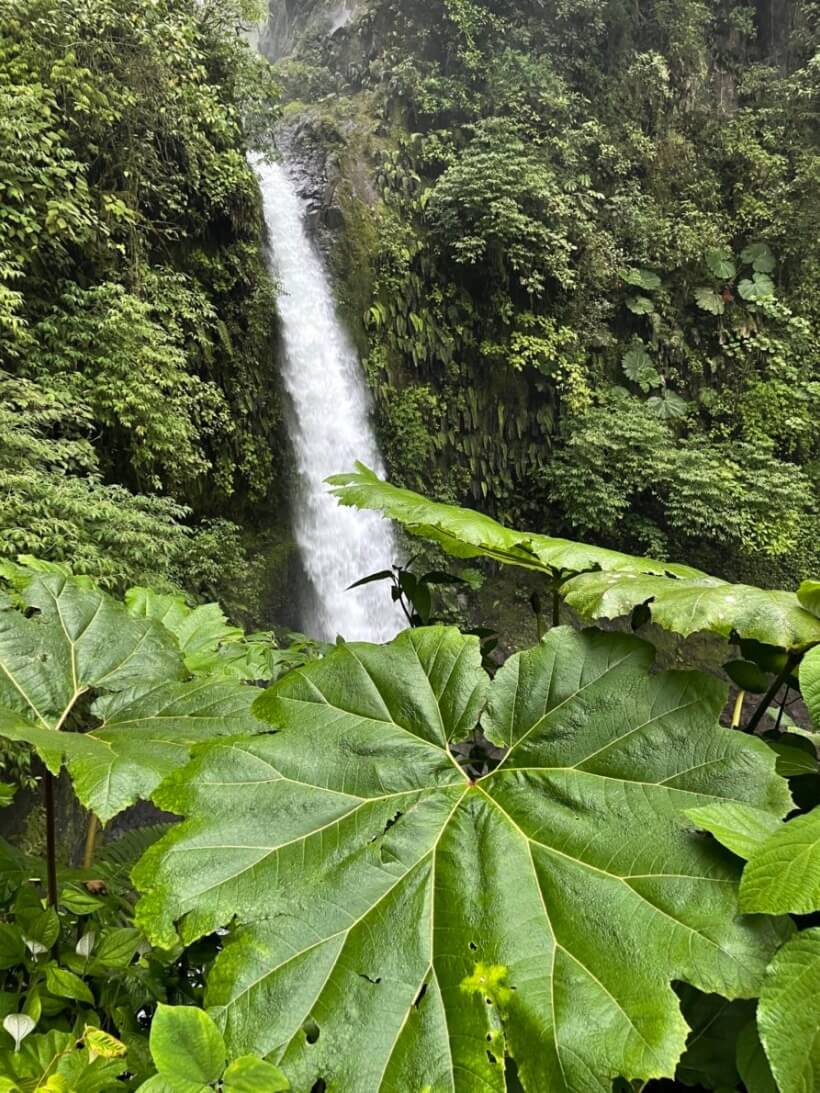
(190, 1054)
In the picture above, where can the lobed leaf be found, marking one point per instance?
(465, 533)
(148, 733)
(688, 606)
(81, 643)
(708, 300)
(606, 583)
(721, 263)
(406, 926)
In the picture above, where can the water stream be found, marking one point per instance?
(330, 429)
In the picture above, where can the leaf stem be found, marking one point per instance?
(90, 841)
(51, 838)
(738, 710)
(766, 701)
(780, 712)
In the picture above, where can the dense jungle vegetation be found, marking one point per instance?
(140, 427)
(584, 237)
(577, 244)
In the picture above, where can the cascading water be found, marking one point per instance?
(330, 429)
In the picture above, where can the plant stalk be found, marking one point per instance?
(766, 701)
(51, 838)
(90, 841)
(535, 604)
(738, 710)
(782, 709)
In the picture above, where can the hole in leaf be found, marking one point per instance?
(420, 995)
(492, 1058)
(393, 820)
(319, 1087)
(370, 979)
(311, 1030)
(511, 1075)
(489, 1036)
(489, 1001)
(473, 946)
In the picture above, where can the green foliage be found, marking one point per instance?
(190, 1054)
(72, 658)
(721, 263)
(789, 1014)
(465, 533)
(558, 183)
(135, 308)
(700, 498)
(393, 922)
(73, 973)
(783, 872)
(54, 504)
(709, 300)
(638, 367)
(679, 597)
(209, 644)
(486, 818)
(688, 606)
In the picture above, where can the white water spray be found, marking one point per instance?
(330, 429)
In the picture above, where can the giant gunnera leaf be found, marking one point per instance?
(707, 603)
(405, 926)
(598, 583)
(465, 533)
(73, 658)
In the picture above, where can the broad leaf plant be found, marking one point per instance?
(406, 925)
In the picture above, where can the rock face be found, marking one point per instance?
(290, 19)
(316, 171)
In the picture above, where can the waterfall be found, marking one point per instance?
(330, 429)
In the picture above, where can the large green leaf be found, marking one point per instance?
(81, 644)
(186, 1044)
(687, 606)
(783, 873)
(721, 263)
(147, 733)
(406, 927)
(465, 533)
(607, 584)
(708, 300)
(737, 826)
(809, 596)
(642, 278)
(639, 367)
(788, 1014)
(209, 644)
(759, 257)
(78, 640)
(810, 683)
